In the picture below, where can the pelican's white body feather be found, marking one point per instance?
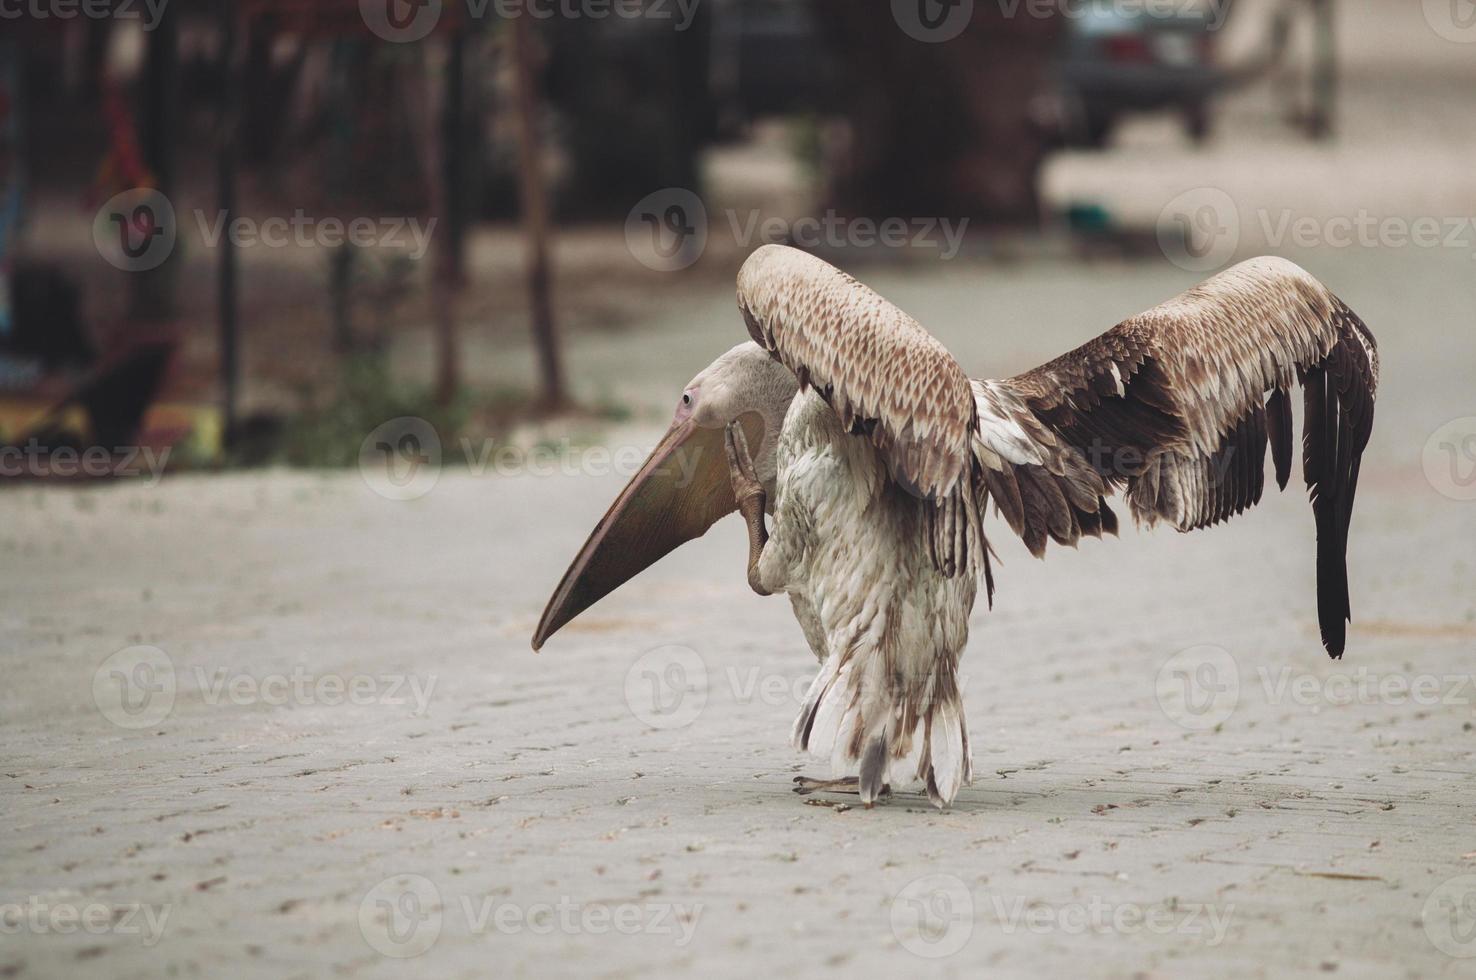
(849, 546)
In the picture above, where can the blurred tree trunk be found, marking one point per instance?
(98, 32)
(534, 192)
(228, 163)
(940, 129)
(154, 291)
(1322, 113)
(446, 197)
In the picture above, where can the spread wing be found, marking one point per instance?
(1177, 406)
(887, 379)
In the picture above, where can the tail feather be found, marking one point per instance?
(887, 731)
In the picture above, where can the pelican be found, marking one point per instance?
(873, 459)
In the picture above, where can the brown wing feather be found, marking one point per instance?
(886, 378)
(880, 371)
(1171, 406)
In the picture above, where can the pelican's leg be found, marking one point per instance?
(804, 786)
(749, 493)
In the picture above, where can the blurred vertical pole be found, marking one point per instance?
(1324, 70)
(535, 214)
(447, 204)
(154, 291)
(346, 66)
(228, 154)
(98, 32)
(453, 127)
(686, 65)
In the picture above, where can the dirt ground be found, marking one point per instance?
(284, 723)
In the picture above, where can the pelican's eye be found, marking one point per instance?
(687, 399)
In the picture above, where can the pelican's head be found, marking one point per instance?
(745, 383)
(683, 488)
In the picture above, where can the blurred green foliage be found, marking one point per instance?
(330, 435)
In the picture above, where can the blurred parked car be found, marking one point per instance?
(1122, 58)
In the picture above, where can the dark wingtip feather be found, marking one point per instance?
(1339, 398)
(1279, 431)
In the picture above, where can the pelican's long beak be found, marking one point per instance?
(681, 491)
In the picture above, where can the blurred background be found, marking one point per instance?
(250, 231)
(329, 328)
